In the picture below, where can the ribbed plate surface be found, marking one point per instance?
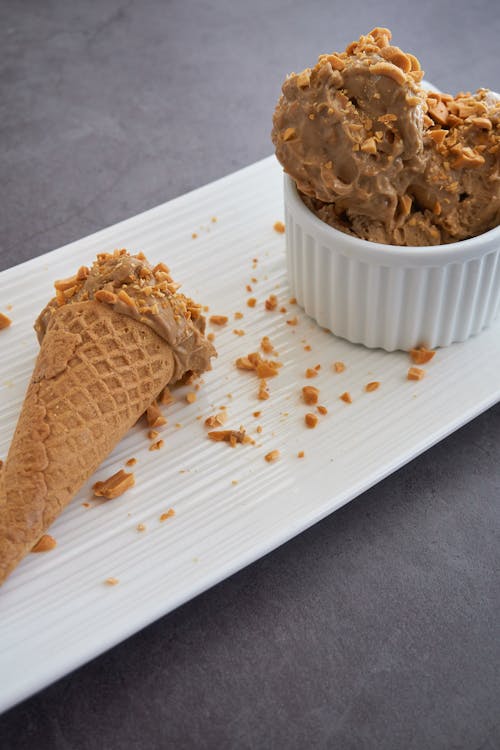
(56, 612)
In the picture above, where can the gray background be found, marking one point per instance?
(377, 628)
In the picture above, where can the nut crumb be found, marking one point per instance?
(86, 505)
(5, 321)
(156, 446)
(300, 454)
(415, 373)
(210, 337)
(292, 301)
(421, 355)
(263, 393)
(164, 516)
(114, 486)
(153, 434)
(322, 409)
(165, 398)
(154, 416)
(131, 462)
(216, 420)
(256, 414)
(191, 397)
(293, 321)
(310, 394)
(279, 227)
(339, 366)
(45, 544)
(311, 373)
(228, 436)
(271, 302)
(369, 387)
(194, 236)
(307, 348)
(272, 456)
(251, 302)
(266, 345)
(346, 397)
(238, 315)
(311, 420)
(141, 527)
(238, 332)
(218, 320)
(112, 581)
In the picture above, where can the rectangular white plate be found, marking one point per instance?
(56, 612)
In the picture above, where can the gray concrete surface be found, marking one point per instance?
(377, 628)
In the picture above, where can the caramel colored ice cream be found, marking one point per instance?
(130, 286)
(377, 156)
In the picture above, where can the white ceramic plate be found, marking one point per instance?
(56, 612)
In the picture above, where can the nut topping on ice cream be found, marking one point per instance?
(377, 156)
(129, 285)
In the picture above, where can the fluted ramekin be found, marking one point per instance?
(385, 296)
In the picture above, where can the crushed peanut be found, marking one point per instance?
(272, 456)
(218, 320)
(131, 462)
(322, 409)
(169, 513)
(156, 446)
(369, 387)
(415, 373)
(153, 434)
(154, 416)
(293, 321)
(45, 544)
(279, 226)
(251, 302)
(5, 321)
(166, 397)
(141, 527)
(310, 394)
(256, 414)
(300, 454)
(191, 397)
(421, 355)
(239, 332)
(311, 420)
(114, 486)
(339, 366)
(111, 581)
(266, 345)
(263, 392)
(346, 397)
(228, 436)
(271, 302)
(238, 315)
(216, 420)
(311, 373)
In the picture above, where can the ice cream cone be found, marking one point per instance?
(98, 370)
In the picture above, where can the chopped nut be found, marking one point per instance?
(256, 414)
(238, 315)
(311, 373)
(339, 366)
(243, 363)
(191, 397)
(164, 516)
(114, 486)
(104, 295)
(322, 409)
(271, 302)
(421, 355)
(272, 456)
(266, 345)
(300, 454)
(288, 134)
(251, 302)
(165, 397)
(228, 436)
(415, 373)
(44, 544)
(154, 416)
(156, 446)
(122, 294)
(5, 322)
(279, 227)
(292, 321)
(216, 420)
(307, 348)
(141, 527)
(369, 387)
(267, 369)
(239, 332)
(310, 394)
(111, 581)
(131, 462)
(63, 284)
(218, 320)
(311, 420)
(263, 393)
(210, 337)
(346, 397)
(153, 434)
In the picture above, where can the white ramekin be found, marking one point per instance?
(390, 297)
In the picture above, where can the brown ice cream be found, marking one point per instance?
(130, 286)
(379, 157)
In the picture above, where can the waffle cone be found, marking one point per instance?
(96, 373)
